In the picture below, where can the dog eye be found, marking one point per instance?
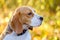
(34, 11)
(29, 13)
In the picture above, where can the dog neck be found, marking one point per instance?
(24, 31)
(13, 36)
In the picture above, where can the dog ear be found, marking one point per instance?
(16, 23)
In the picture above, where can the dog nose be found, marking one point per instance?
(41, 18)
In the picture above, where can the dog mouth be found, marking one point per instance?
(31, 27)
(40, 24)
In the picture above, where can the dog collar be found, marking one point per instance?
(22, 32)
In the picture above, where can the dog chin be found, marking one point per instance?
(38, 25)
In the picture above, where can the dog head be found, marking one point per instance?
(23, 18)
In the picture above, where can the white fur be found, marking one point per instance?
(25, 26)
(13, 36)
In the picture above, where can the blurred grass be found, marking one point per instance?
(49, 9)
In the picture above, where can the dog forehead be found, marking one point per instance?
(25, 9)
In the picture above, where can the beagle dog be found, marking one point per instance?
(24, 18)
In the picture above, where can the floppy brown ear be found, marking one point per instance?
(16, 24)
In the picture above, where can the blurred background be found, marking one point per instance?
(49, 9)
